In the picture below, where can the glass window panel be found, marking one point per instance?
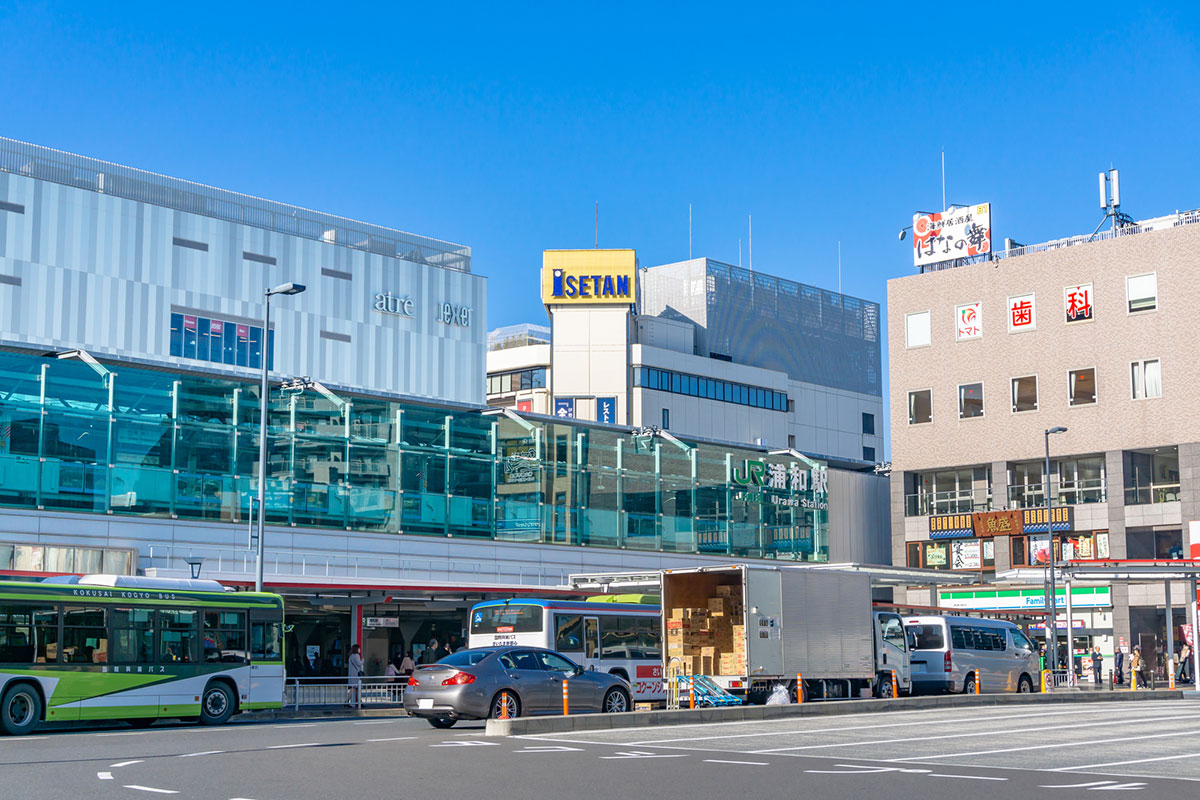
(60, 559)
(1082, 386)
(85, 635)
(117, 562)
(178, 636)
(970, 400)
(224, 638)
(920, 407)
(229, 344)
(916, 328)
(868, 424)
(1024, 394)
(568, 633)
(243, 345)
(29, 558)
(177, 335)
(202, 338)
(189, 336)
(132, 635)
(88, 560)
(1142, 291)
(256, 348)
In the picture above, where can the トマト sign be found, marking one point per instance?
(968, 321)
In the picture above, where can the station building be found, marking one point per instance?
(131, 346)
(1092, 334)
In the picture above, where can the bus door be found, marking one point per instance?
(591, 641)
(266, 659)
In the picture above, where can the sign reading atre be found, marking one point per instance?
(400, 305)
(605, 277)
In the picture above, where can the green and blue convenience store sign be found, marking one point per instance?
(1022, 599)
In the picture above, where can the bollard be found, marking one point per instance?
(692, 692)
(1045, 681)
(1170, 673)
(895, 685)
(1133, 680)
(566, 706)
(978, 684)
(504, 705)
(799, 688)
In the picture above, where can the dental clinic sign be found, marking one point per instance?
(809, 488)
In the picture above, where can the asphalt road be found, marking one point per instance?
(1151, 748)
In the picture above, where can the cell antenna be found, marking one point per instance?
(1110, 202)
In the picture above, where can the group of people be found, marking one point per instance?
(1139, 669)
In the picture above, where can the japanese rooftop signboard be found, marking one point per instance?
(961, 232)
(589, 277)
(968, 322)
(1078, 302)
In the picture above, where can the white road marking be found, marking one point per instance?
(104, 776)
(15, 739)
(639, 754)
(377, 722)
(861, 769)
(125, 763)
(150, 789)
(747, 763)
(392, 739)
(297, 725)
(1075, 785)
(286, 746)
(997, 732)
(472, 743)
(1119, 763)
(202, 753)
(554, 748)
(126, 733)
(1084, 743)
(967, 777)
(1120, 787)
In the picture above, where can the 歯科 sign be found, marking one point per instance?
(1077, 302)
(1022, 313)
(960, 232)
(997, 523)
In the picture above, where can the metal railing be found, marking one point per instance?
(104, 177)
(1151, 493)
(954, 502)
(332, 692)
(1032, 495)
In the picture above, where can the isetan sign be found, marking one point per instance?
(578, 277)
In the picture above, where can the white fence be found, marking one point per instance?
(332, 692)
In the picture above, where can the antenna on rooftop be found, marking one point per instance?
(597, 224)
(750, 223)
(1110, 202)
(689, 231)
(839, 266)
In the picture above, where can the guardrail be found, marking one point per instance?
(326, 692)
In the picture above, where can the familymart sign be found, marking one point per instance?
(1018, 599)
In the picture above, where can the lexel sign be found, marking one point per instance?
(589, 276)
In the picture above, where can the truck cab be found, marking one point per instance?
(891, 654)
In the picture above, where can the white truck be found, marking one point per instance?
(766, 625)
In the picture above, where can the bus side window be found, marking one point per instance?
(265, 638)
(568, 633)
(591, 637)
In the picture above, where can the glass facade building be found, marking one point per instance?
(81, 435)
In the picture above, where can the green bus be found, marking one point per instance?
(101, 647)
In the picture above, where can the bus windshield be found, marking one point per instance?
(511, 618)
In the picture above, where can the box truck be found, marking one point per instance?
(752, 629)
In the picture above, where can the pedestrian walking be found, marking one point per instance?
(1097, 663)
(407, 665)
(1119, 666)
(1184, 671)
(1137, 666)
(354, 666)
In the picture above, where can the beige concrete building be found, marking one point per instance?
(1094, 334)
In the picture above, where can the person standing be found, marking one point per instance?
(1137, 666)
(1119, 666)
(1184, 670)
(354, 671)
(1097, 663)
(406, 665)
(395, 668)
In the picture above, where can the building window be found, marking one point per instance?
(916, 329)
(868, 424)
(970, 400)
(1082, 386)
(666, 419)
(869, 454)
(920, 406)
(1024, 394)
(913, 554)
(710, 389)
(791, 441)
(1146, 379)
(219, 342)
(1141, 292)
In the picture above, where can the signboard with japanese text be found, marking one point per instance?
(1022, 315)
(564, 407)
(1017, 599)
(1062, 518)
(806, 487)
(968, 322)
(936, 554)
(1077, 301)
(966, 555)
(606, 410)
(997, 523)
(525, 405)
(961, 232)
(950, 526)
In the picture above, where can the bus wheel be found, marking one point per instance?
(20, 710)
(216, 706)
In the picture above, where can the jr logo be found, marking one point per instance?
(753, 474)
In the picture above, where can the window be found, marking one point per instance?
(510, 618)
(266, 641)
(132, 635)
(927, 637)
(970, 400)
(177, 636)
(892, 630)
(920, 406)
(1082, 386)
(1142, 292)
(85, 637)
(1020, 640)
(868, 421)
(791, 441)
(913, 554)
(1024, 394)
(218, 341)
(1019, 552)
(224, 637)
(1146, 379)
(916, 329)
(869, 454)
(666, 419)
(553, 662)
(28, 634)
(568, 633)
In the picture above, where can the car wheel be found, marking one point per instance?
(498, 706)
(216, 705)
(1025, 685)
(969, 685)
(20, 710)
(616, 702)
(442, 722)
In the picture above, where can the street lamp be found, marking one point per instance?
(1051, 609)
(283, 288)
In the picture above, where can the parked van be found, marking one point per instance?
(952, 653)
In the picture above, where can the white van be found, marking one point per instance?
(952, 653)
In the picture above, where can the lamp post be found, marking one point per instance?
(1051, 610)
(283, 288)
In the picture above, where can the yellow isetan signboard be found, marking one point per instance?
(576, 277)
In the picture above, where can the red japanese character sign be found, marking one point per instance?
(968, 321)
(1078, 302)
(1021, 313)
(958, 232)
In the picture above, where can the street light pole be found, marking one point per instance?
(285, 288)
(1051, 600)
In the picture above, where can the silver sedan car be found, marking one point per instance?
(493, 682)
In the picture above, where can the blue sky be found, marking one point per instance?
(501, 127)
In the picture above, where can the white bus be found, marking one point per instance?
(623, 639)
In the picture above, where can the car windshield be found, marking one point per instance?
(927, 637)
(465, 658)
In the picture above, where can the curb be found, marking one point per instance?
(526, 726)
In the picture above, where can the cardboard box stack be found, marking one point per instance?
(712, 640)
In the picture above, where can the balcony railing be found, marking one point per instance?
(1151, 493)
(956, 502)
(1069, 493)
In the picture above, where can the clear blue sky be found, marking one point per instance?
(500, 129)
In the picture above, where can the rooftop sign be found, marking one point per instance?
(955, 233)
(576, 277)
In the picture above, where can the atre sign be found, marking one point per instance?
(593, 277)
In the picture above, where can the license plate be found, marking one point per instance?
(424, 702)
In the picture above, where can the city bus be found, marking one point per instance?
(623, 639)
(117, 647)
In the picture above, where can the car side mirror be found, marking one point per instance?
(578, 670)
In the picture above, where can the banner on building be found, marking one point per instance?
(577, 277)
(1034, 519)
(1078, 302)
(564, 407)
(606, 410)
(998, 523)
(950, 526)
(955, 233)
(968, 322)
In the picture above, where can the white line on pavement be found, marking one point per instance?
(126, 733)
(297, 725)
(286, 746)
(104, 776)
(150, 789)
(377, 722)
(15, 739)
(967, 777)
(1075, 785)
(202, 753)
(125, 763)
(392, 739)
(1085, 743)
(1119, 763)
(747, 763)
